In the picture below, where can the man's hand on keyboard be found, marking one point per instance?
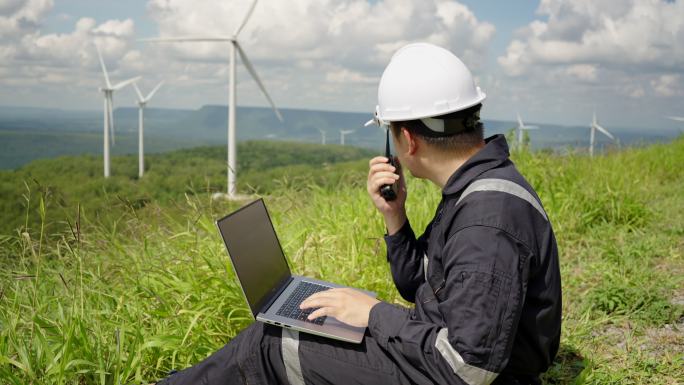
(347, 305)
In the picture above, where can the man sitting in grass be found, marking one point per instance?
(483, 276)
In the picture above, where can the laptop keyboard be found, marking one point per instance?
(290, 308)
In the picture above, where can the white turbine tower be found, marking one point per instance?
(595, 126)
(234, 46)
(344, 133)
(322, 135)
(108, 91)
(142, 102)
(520, 129)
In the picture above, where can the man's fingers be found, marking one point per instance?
(385, 175)
(377, 159)
(382, 167)
(317, 301)
(324, 311)
(377, 183)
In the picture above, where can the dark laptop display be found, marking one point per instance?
(247, 234)
(272, 292)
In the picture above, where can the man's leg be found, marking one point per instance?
(263, 354)
(250, 357)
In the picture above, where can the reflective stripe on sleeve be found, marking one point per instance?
(506, 186)
(290, 351)
(425, 266)
(471, 375)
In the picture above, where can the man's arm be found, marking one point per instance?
(405, 254)
(486, 282)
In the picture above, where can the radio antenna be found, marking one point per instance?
(387, 147)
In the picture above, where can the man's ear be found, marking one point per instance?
(410, 140)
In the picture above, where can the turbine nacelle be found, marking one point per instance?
(235, 48)
(594, 127)
(108, 91)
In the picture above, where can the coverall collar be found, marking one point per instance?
(493, 154)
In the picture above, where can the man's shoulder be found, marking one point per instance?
(500, 198)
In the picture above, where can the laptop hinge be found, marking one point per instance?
(274, 297)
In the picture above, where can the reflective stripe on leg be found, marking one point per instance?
(290, 352)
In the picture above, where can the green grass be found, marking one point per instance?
(134, 281)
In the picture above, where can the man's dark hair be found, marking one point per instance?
(463, 130)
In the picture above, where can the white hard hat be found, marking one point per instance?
(424, 81)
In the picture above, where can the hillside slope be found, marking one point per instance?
(67, 182)
(127, 293)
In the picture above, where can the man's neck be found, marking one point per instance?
(443, 166)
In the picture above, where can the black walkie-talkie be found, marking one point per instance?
(389, 191)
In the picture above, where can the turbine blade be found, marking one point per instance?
(368, 123)
(104, 69)
(251, 70)
(244, 21)
(137, 91)
(529, 127)
(676, 118)
(183, 39)
(125, 83)
(604, 131)
(153, 90)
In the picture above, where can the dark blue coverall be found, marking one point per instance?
(485, 280)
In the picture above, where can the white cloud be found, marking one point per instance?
(21, 16)
(353, 33)
(608, 53)
(585, 72)
(309, 53)
(344, 75)
(633, 91)
(667, 85)
(615, 34)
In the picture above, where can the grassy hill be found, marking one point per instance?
(137, 282)
(65, 183)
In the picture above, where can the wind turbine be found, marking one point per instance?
(108, 91)
(595, 126)
(520, 129)
(676, 118)
(343, 133)
(322, 135)
(142, 102)
(234, 46)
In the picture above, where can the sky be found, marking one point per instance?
(552, 61)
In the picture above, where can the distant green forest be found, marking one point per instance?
(263, 166)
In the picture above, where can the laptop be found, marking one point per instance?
(273, 293)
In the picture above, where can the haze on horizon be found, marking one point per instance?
(552, 60)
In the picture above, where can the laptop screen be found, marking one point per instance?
(256, 253)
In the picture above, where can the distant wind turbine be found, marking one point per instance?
(234, 46)
(108, 91)
(595, 126)
(322, 135)
(344, 133)
(520, 129)
(142, 102)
